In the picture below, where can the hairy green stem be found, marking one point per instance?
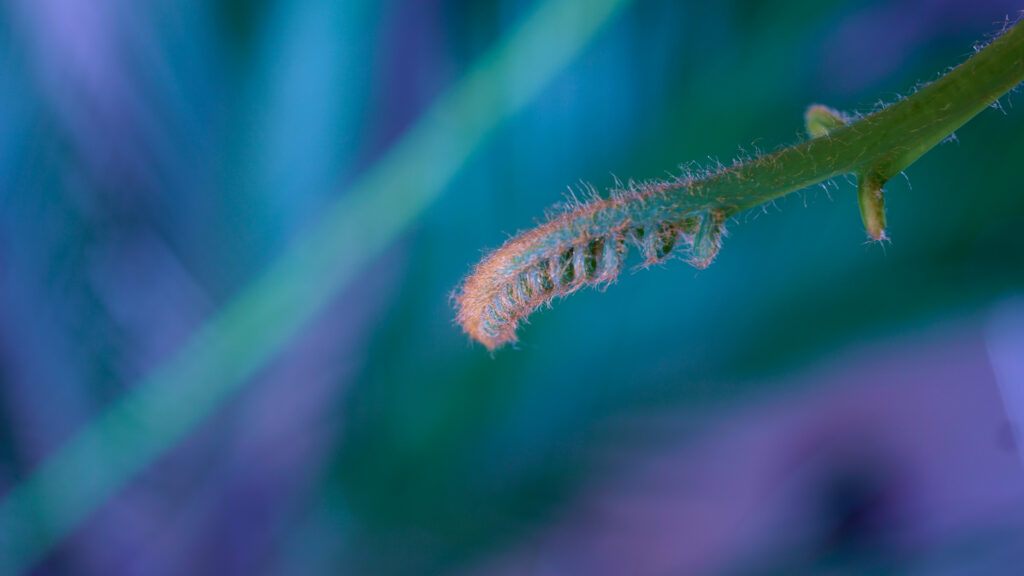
(883, 143)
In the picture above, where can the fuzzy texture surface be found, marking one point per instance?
(585, 245)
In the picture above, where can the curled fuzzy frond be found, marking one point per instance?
(585, 245)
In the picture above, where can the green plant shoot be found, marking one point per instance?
(586, 243)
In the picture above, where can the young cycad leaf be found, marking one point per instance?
(586, 244)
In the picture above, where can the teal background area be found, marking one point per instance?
(810, 404)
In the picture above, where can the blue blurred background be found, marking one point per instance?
(229, 230)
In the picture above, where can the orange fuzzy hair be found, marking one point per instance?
(583, 246)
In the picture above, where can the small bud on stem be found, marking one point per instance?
(871, 198)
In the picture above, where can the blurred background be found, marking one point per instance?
(229, 231)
